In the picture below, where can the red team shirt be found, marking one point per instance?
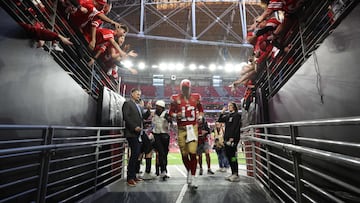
(289, 6)
(103, 36)
(107, 59)
(80, 19)
(263, 45)
(96, 23)
(189, 109)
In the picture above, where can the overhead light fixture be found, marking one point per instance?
(179, 66)
(229, 67)
(163, 66)
(192, 66)
(141, 65)
(127, 64)
(212, 67)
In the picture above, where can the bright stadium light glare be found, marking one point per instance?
(212, 67)
(220, 67)
(127, 64)
(163, 66)
(201, 67)
(141, 65)
(180, 66)
(240, 66)
(154, 66)
(192, 66)
(171, 66)
(229, 67)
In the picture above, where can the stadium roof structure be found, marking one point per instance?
(187, 33)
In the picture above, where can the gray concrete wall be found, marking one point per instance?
(34, 89)
(338, 59)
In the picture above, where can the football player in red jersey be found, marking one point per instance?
(187, 109)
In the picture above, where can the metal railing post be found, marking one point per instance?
(252, 130)
(296, 164)
(97, 159)
(45, 164)
(267, 159)
(123, 160)
(93, 72)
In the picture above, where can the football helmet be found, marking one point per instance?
(185, 83)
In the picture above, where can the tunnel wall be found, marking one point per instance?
(326, 86)
(34, 89)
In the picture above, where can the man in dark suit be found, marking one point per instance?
(134, 116)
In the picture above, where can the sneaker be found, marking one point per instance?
(148, 176)
(56, 47)
(163, 175)
(138, 180)
(109, 72)
(228, 177)
(131, 183)
(210, 172)
(200, 172)
(234, 178)
(223, 170)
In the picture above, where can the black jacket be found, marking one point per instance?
(133, 118)
(232, 125)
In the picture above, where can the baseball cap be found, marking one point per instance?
(160, 103)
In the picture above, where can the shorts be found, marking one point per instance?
(186, 148)
(202, 148)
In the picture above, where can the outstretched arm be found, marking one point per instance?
(107, 19)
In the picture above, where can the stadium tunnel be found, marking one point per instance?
(300, 131)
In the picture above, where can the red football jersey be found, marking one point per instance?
(188, 109)
(80, 19)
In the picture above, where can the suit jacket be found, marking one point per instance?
(133, 118)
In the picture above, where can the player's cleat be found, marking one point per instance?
(193, 185)
(188, 178)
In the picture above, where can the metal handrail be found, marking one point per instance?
(330, 156)
(55, 154)
(328, 122)
(58, 146)
(291, 153)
